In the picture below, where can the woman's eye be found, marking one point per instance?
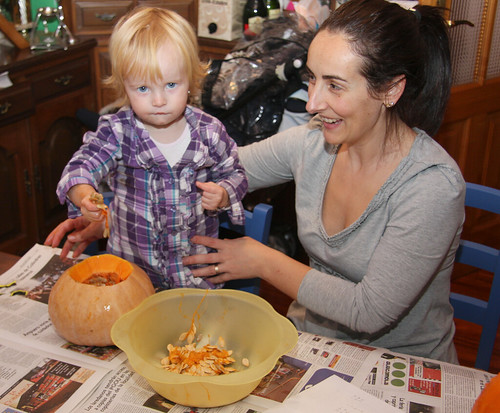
(142, 89)
(334, 87)
(171, 85)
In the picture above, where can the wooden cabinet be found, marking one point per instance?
(38, 135)
(18, 227)
(214, 49)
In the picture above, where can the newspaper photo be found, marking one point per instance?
(42, 382)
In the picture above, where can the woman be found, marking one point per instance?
(380, 205)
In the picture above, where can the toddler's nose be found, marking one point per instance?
(159, 99)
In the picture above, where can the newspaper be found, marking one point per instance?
(100, 379)
(418, 384)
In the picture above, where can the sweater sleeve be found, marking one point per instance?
(419, 240)
(272, 161)
(229, 174)
(91, 163)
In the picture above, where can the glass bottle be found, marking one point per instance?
(273, 9)
(254, 14)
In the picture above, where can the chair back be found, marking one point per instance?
(484, 313)
(257, 226)
(257, 223)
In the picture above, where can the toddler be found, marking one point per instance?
(170, 166)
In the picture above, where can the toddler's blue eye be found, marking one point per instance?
(142, 89)
(171, 85)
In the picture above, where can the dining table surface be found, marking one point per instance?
(7, 260)
(404, 381)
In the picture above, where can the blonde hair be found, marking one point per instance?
(135, 41)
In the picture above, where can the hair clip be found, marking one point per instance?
(417, 14)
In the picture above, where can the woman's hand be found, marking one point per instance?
(234, 259)
(243, 258)
(81, 232)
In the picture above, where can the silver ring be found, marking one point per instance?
(216, 269)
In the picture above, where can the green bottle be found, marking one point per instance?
(273, 9)
(254, 14)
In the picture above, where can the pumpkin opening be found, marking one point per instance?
(101, 270)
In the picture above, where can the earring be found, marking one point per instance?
(189, 92)
(389, 105)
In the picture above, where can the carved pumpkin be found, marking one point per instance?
(91, 295)
(489, 399)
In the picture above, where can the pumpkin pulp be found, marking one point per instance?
(101, 270)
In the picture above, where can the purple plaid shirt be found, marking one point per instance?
(156, 207)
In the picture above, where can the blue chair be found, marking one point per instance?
(257, 226)
(483, 313)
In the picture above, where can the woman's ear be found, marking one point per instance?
(394, 91)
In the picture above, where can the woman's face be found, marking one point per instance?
(339, 93)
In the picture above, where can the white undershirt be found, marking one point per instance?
(173, 151)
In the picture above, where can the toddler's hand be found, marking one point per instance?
(90, 210)
(213, 196)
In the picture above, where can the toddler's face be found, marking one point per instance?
(160, 105)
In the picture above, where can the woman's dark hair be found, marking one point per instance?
(394, 41)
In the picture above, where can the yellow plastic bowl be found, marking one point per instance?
(248, 324)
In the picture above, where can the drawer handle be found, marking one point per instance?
(4, 108)
(27, 182)
(107, 17)
(38, 179)
(63, 80)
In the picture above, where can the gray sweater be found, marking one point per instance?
(384, 280)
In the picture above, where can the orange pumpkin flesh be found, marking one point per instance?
(84, 313)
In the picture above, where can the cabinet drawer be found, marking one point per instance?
(99, 17)
(186, 8)
(70, 76)
(15, 102)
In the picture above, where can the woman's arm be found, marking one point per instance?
(267, 163)
(226, 172)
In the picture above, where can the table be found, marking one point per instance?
(6, 261)
(90, 379)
